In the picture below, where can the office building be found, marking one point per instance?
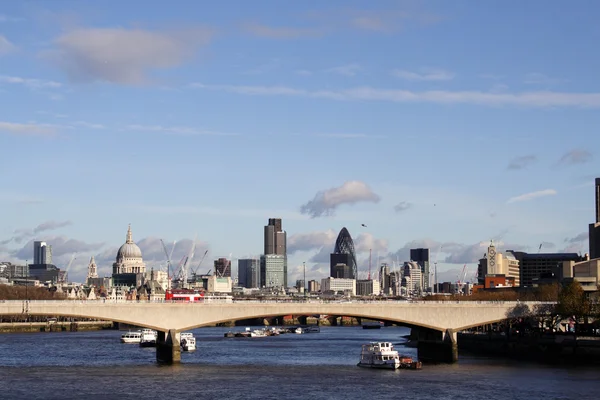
(367, 287)
(343, 253)
(42, 253)
(273, 270)
(499, 264)
(275, 244)
(222, 267)
(594, 230)
(249, 273)
(534, 266)
(421, 257)
(314, 286)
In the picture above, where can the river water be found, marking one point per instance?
(74, 365)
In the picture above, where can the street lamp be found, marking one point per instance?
(304, 282)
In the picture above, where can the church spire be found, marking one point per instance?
(129, 236)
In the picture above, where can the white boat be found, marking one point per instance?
(308, 329)
(149, 338)
(258, 333)
(379, 355)
(299, 330)
(131, 337)
(188, 341)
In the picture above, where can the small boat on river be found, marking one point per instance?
(149, 338)
(188, 341)
(383, 355)
(131, 337)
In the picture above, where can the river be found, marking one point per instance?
(74, 365)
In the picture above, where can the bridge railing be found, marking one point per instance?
(274, 301)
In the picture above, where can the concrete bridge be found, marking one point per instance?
(436, 322)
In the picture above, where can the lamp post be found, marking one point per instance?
(304, 282)
(26, 289)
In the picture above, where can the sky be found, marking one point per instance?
(436, 124)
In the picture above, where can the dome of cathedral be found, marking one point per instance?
(129, 250)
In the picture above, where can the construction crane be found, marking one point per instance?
(66, 275)
(169, 256)
(461, 279)
(540, 248)
(183, 270)
(194, 272)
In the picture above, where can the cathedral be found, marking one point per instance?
(129, 258)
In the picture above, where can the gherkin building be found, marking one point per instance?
(345, 245)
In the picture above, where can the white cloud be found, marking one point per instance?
(577, 156)
(522, 162)
(524, 99)
(27, 129)
(346, 70)
(30, 82)
(123, 56)
(178, 130)
(402, 206)
(348, 135)
(366, 241)
(536, 78)
(5, 45)
(311, 241)
(325, 202)
(283, 32)
(89, 125)
(532, 195)
(425, 74)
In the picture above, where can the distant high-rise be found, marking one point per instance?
(275, 245)
(42, 253)
(421, 257)
(222, 268)
(249, 273)
(594, 231)
(275, 238)
(343, 253)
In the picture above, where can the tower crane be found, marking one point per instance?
(183, 270)
(169, 256)
(73, 257)
(199, 264)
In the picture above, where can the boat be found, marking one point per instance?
(379, 355)
(258, 333)
(307, 329)
(149, 338)
(371, 325)
(229, 334)
(188, 341)
(131, 337)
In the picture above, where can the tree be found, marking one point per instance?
(573, 303)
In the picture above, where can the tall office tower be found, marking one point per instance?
(249, 273)
(421, 257)
(276, 244)
(222, 268)
(42, 253)
(594, 233)
(273, 271)
(275, 238)
(343, 253)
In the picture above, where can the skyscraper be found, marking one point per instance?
(222, 268)
(249, 273)
(594, 232)
(421, 257)
(275, 244)
(42, 253)
(343, 253)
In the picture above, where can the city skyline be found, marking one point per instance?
(444, 131)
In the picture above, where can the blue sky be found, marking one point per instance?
(435, 123)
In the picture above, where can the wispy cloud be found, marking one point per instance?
(28, 129)
(348, 135)
(365, 93)
(89, 125)
(327, 201)
(576, 156)
(8, 18)
(264, 68)
(402, 206)
(30, 82)
(425, 74)
(389, 21)
(522, 162)
(532, 195)
(346, 70)
(303, 72)
(123, 56)
(177, 130)
(191, 210)
(281, 32)
(5, 45)
(536, 78)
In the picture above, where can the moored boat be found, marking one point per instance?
(149, 338)
(188, 341)
(131, 337)
(379, 355)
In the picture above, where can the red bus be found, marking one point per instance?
(184, 295)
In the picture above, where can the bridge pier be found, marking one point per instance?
(168, 350)
(436, 346)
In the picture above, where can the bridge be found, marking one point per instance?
(436, 322)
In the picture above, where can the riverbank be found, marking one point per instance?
(20, 327)
(548, 348)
